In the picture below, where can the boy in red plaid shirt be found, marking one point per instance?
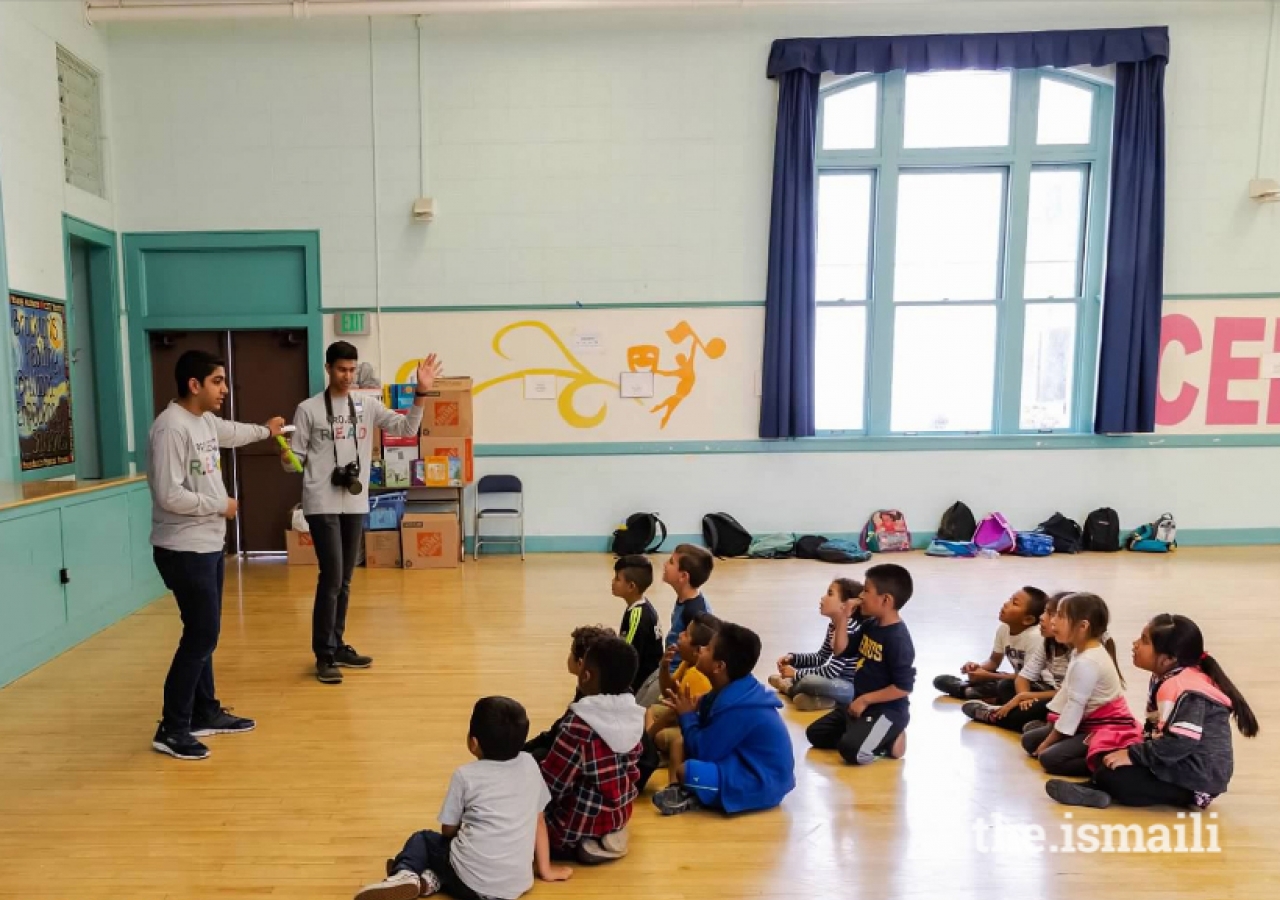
(591, 769)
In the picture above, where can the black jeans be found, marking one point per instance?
(196, 582)
(1069, 756)
(337, 539)
(1137, 786)
(429, 850)
(858, 740)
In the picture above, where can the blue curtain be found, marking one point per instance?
(1131, 315)
(787, 384)
(1129, 354)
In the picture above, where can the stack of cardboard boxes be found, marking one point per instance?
(441, 456)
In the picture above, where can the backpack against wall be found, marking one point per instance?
(772, 546)
(952, 549)
(724, 535)
(807, 546)
(1066, 533)
(1160, 536)
(958, 523)
(1102, 531)
(839, 551)
(1033, 543)
(994, 533)
(886, 532)
(639, 534)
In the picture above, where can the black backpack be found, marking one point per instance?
(1102, 530)
(724, 535)
(958, 523)
(639, 535)
(1065, 532)
(807, 547)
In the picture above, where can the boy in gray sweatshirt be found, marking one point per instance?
(189, 514)
(333, 438)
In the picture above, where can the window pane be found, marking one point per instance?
(849, 119)
(944, 364)
(844, 236)
(1048, 366)
(957, 109)
(1066, 113)
(949, 227)
(841, 367)
(1054, 233)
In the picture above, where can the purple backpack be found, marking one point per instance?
(995, 534)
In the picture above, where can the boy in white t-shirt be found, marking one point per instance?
(1016, 637)
(492, 831)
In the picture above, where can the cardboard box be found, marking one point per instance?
(382, 550)
(397, 466)
(301, 548)
(462, 449)
(429, 540)
(448, 409)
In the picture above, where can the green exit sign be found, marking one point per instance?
(351, 323)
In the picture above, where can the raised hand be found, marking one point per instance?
(428, 371)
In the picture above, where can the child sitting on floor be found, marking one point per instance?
(1034, 685)
(736, 754)
(632, 576)
(1015, 638)
(660, 721)
(1186, 758)
(581, 640)
(491, 823)
(685, 571)
(824, 680)
(591, 767)
(875, 723)
(1090, 701)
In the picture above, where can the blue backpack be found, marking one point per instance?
(839, 551)
(1033, 543)
(1160, 536)
(952, 549)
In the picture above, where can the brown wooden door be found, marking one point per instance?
(268, 378)
(166, 347)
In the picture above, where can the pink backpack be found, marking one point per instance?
(995, 534)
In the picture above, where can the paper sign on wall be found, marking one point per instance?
(588, 341)
(539, 387)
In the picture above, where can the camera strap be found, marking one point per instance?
(328, 410)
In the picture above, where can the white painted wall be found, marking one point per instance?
(35, 193)
(626, 157)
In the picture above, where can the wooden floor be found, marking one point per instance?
(334, 778)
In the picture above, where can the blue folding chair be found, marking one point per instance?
(507, 486)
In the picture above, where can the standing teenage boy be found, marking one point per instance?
(333, 437)
(189, 514)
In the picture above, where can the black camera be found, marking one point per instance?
(347, 477)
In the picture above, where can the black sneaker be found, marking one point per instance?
(675, 799)
(951, 686)
(347, 657)
(221, 723)
(1077, 793)
(178, 744)
(979, 711)
(327, 672)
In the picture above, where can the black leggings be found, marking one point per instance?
(1136, 785)
(1018, 718)
(859, 740)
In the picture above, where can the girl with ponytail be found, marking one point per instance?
(1185, 759)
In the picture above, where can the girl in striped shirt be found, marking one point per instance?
(824, 680)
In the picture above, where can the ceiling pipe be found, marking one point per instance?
(98, 12)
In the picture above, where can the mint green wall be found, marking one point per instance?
(218, 281)
(102, 541)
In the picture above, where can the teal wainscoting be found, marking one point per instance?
(101, 539)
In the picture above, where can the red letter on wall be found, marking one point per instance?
(1225, 368)
(1180, 328)
(1273, 403)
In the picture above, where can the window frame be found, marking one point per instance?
(889, 159)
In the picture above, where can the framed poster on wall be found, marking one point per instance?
(42, 382)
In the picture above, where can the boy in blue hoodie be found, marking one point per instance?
(737, 754)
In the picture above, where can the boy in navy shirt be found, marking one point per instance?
(875, 723)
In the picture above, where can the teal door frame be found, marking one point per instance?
(108, 349)
(9, 452)
(138, 247)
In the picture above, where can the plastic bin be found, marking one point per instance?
(386, 511)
